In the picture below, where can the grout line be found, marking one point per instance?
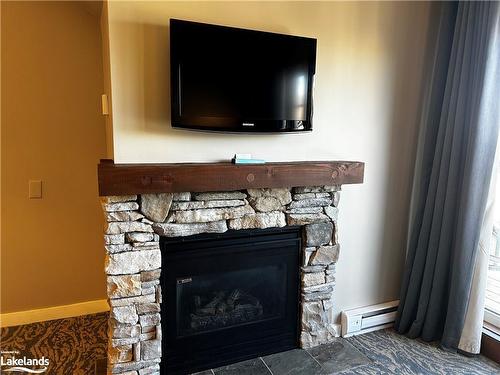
(265, 364)
(307, 351)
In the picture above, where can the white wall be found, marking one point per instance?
(369, 68)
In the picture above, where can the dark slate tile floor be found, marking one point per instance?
(323, 360)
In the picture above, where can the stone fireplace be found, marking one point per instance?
(136, 224)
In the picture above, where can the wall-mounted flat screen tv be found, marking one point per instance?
(237, 80)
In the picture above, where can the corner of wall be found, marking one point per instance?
(106, 65)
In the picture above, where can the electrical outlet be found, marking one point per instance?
(354, 324)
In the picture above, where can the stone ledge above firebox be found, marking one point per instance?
(134, 224)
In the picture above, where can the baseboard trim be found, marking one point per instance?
(51, 313)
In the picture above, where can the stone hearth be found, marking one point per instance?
(134, 224)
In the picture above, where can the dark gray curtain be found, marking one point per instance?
(457, 143)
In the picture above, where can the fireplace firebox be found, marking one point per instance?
(229, 297)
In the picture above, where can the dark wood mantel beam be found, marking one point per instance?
(123, 179)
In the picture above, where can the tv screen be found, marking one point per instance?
(236, 80)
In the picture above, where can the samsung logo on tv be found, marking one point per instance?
(248, 124)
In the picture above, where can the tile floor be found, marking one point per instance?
(323, 360)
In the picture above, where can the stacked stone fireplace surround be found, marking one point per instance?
(134, 224)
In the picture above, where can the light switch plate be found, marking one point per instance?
(35, 189)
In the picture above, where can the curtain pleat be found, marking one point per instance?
(456, 152)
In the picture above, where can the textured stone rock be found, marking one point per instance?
(217, 196)
(307, 189)
(304, 219)
(314, 278)
(325, 255)
(123, 216)
(335, 237)
(178, 230)
(153, 370)
(316, 338)
(140, 245)
(139, 237)
(114, 239)
(212, 214)
(266, 204)
(156, 206)
(146, 247)
(125, 341)
(318, 234)
(259, 220)
(148, 329)
(185, 196)
(316, 189)
(316, 296)
(150, 275)
(150, 349)
(195, 205)
(301, 196)
(124, 314)
(118, 198)
(148, 291)
(170, 217)
(310, 269)
(313, 316)
(133, 262)
(148, 308)
(150, 284)
(122, 331)
(124, 286)
(149, 319)
(127, 226)
(148, 336)
(312, 202)
(298, 197)
(305, 210)
(328, 305)
(332, 212)
(120, 354)
(148, 298)
(121, 368)
(332, 188)
(336, 198)
(330, 278)
(282, 195)
(158, 332)
(307, 255)
(125, 206)
(326, 287)
(118, 248)
(158, 294)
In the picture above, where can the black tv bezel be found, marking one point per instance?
(227, 124)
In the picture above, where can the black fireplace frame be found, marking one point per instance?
(182, 355)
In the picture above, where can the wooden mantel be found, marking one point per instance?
(124, 179)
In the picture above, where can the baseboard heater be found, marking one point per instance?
(369, 318)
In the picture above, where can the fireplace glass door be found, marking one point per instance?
(222, 300)
(229, 297)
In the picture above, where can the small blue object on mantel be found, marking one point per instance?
(246, 159)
